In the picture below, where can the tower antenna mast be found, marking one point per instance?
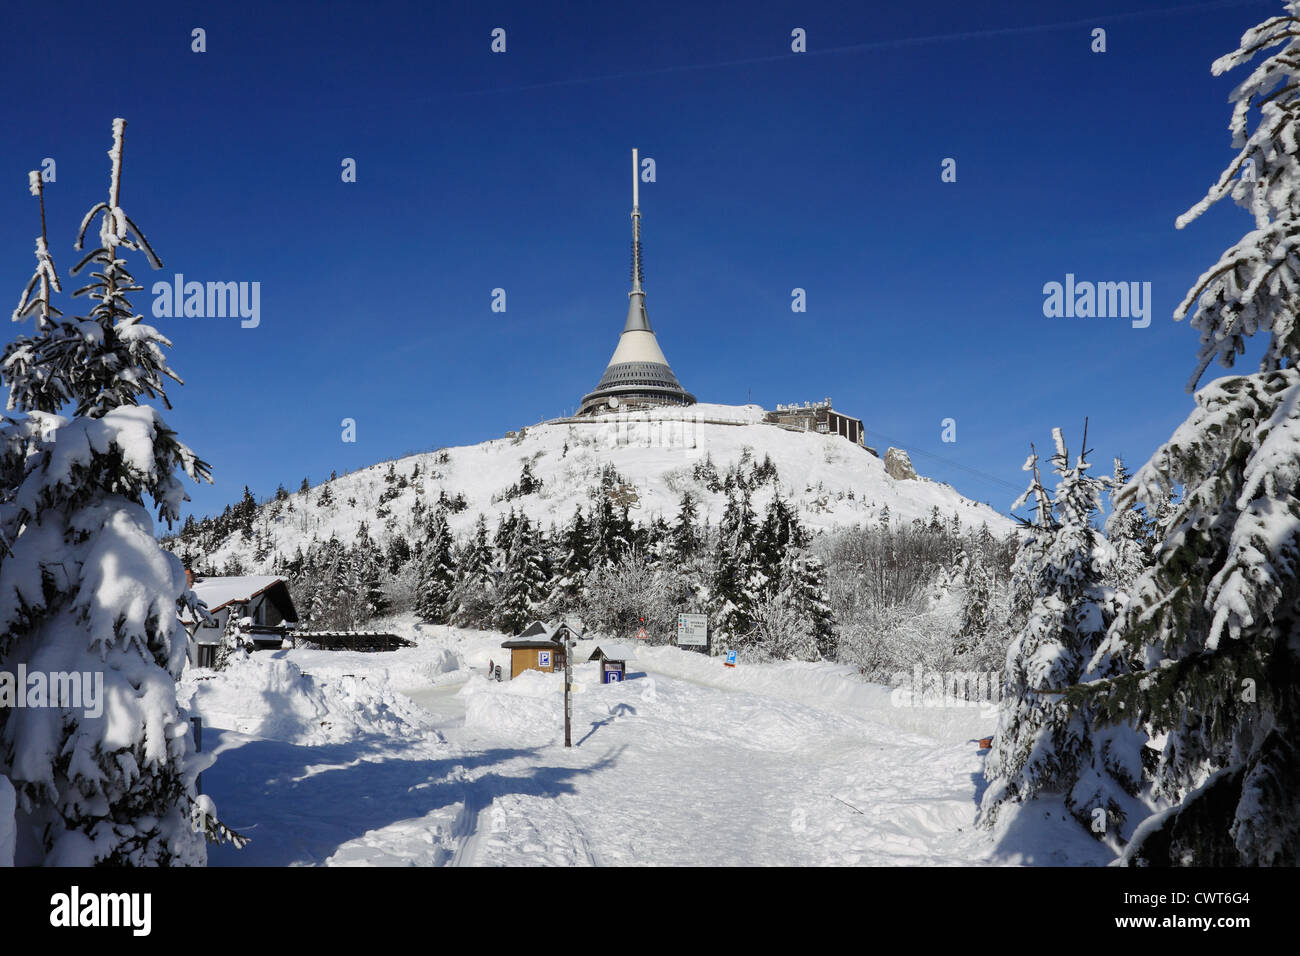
(637, 274)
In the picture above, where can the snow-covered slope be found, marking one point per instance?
(832, 483)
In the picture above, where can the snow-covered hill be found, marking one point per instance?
(831, 482)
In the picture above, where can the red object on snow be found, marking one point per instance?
(986, 743)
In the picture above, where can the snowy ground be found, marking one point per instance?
(416, 758)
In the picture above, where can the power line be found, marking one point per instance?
(945, 461)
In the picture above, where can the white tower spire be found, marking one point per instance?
(637, 374)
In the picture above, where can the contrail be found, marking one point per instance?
(992, 32)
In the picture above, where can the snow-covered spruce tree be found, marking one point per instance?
(1041, 746)
(473, 596)
(737, 581)
(85, 587)
(1215, 622)
(572, 565)
(610, 530)
(235, 641)
(684, 541)
(803, 585)
(366, 568)
(1126, 529)
(976, 606)
(523, 581)
(437, 571)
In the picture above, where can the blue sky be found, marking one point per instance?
(775, 170)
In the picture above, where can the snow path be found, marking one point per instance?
(668, 770)
(686, 763)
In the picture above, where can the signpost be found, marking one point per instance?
(731, 659)
(693, 631)
(612, 671)
(568, 686)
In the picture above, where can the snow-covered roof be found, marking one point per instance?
(217, 592)
(541, 634)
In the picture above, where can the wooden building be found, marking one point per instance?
(817, 417)
(540, 647)
(262, 597)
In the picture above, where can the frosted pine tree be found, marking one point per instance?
(46, 277)
(84, 585)
(437, 571)
(976, 606)
(737, 580)
(1214, 623)
(472, 597)
(684, 538)
(1041, 746)
(574, 562)
(1126, 530)
(803, 581)
(236, 642)
(366, 567)
(523, 581)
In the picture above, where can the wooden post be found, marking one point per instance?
(568, 691)
(197, 724)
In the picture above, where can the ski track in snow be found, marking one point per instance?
(672, 767)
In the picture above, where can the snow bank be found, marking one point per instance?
(528, 709)
(270, 697)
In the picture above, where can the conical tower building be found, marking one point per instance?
(638, 375)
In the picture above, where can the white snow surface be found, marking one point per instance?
(415, 757)
(654, 451)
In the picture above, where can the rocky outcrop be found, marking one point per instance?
(898, 464)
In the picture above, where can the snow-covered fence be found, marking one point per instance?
(352, 640)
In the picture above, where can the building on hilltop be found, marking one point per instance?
(818, 417)
(638, 375)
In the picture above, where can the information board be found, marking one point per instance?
(692, 630)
